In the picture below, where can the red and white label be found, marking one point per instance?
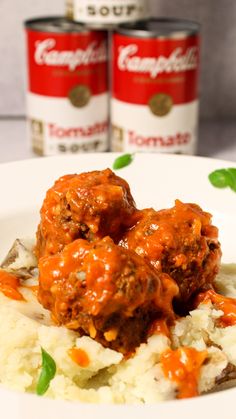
(61, 63)
(58, 62)
(144, 69)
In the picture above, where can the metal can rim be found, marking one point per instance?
(139, 28)
(41, 24)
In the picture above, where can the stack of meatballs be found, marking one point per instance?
(111, 271)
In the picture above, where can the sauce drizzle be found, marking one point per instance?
(225, 304)
(183, 367)
(9, 285)
(79, 356)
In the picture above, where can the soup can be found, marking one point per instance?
(67, 98)
(106, 13)
(155, 97)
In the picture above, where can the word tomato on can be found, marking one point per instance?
(105, 13)
(155, 86)
(67, 87)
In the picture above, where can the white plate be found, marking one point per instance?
(156, 180)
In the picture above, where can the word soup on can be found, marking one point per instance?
(105, 13)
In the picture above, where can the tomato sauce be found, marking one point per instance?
(225, 304)
(183, 367)
(9, 285)
(79, 356)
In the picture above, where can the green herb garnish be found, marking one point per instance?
(123, 161)
(224, 178)
(47, 374)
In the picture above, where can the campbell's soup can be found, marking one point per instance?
(155, 86)
(105, 13)
(67, 97)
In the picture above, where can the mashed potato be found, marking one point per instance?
(25, 328)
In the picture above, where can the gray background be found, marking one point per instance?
(218, 75)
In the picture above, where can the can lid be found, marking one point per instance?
(159, 28)
(56, 24)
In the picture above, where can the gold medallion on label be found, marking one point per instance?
(160, 104)
(80, 96)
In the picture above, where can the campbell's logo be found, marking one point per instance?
(47, 54)
(178, 61)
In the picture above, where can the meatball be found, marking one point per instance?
(89, 206)
(105, 291)
(180, 241)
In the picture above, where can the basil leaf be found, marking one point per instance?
(47, 374)
(219, 178)
(123, 161)
(224, 178)
(232, 174)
